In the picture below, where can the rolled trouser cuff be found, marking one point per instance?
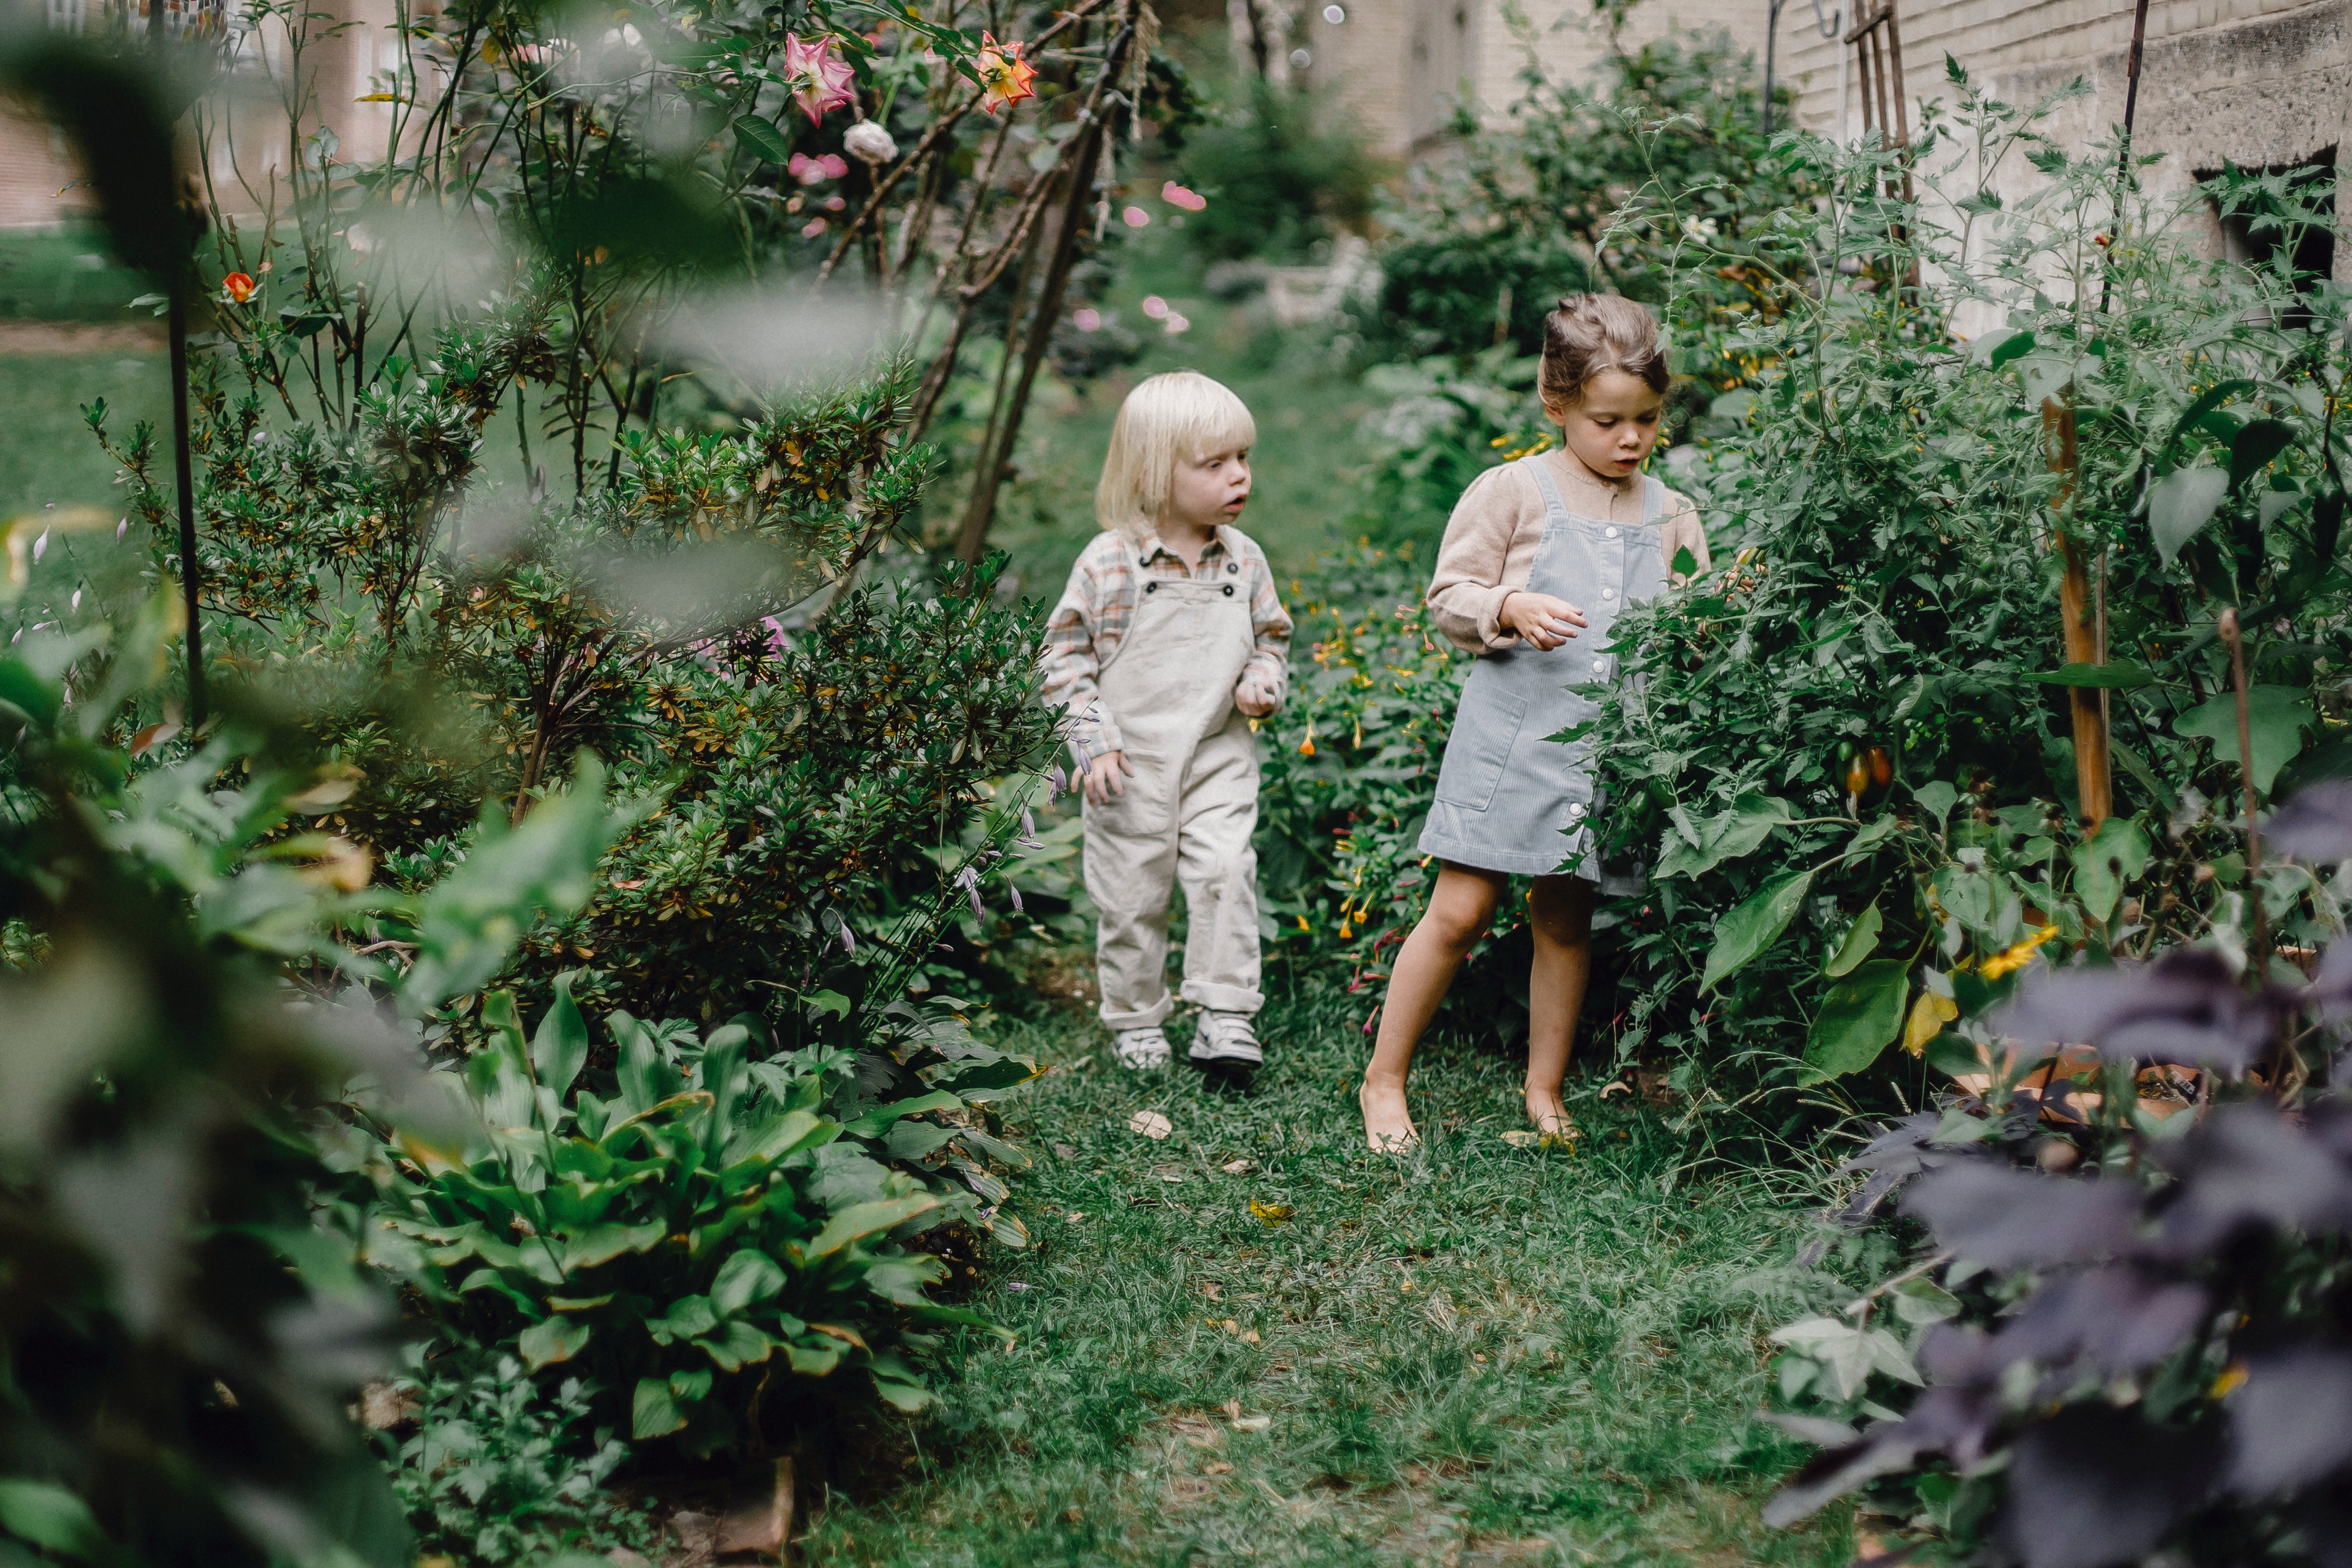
(1148, 1017)
(1224, 998)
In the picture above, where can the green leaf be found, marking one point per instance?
(736, 1345)
(559, 1049)
(1924, 1301)
(861, 1220)
(1755, 925)
(2252, 449)
(1683, 563)
(2181, 503)
(1937, 798)
(602, 1243)
(1860, 941)
(746, 1277)
(1728, 835)
(2275, 716)
(656, 1414)
(762, 138)
(2105, 862)
(2118, 676)
(474, 917)
(49, 1517)
(1860, 1014)
(557, 1338)
(645, 1076)
(2210, 399)
(27, 693)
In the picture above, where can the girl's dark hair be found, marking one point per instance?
(1593, 333)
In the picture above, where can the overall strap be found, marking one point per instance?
(1555, 508)
(1654, 498)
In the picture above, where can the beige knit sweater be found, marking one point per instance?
(1490, 541)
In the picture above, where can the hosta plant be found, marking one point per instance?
(707, 1242)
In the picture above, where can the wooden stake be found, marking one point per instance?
(2094, 773)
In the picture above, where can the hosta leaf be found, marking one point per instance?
(602, 1244)
(1755, 925)
(655, 1414)
(560, 1048)
(746, 1277)
(904, 1279)
(736, 1345)
(1857, 1018)
(866, 1219)
(555, 1340)
(688, 1318)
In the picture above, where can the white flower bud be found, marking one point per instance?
(870, 144)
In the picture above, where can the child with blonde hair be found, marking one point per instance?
(1539, 559)
(1168, 640)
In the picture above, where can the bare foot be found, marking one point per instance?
(1387, 1127)
(1549, 1114)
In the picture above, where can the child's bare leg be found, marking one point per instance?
(1460, 906)
(1560, 919)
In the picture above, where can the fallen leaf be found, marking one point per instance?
(1528, 1138)
(153, 736)
(1213, 1289)
(1219, 1469)
(1150, 1124)
(1232, 1407)
(1271, 1214)
(1064, 1152)
(1233, 1327)
(1253, 1423)
(1238, 1167)
(1249, 1337)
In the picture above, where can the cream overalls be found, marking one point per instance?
(1187, 813)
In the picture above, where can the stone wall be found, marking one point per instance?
(2249, 82)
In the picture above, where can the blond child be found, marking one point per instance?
(1168, 640)
(1539, 559)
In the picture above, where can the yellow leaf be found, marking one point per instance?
(1930, 1014)
(1271, 1214)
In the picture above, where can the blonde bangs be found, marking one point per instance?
(1165, 420)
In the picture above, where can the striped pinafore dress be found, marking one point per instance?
(1509, 799)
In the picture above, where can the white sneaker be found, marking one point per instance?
(1226, 1037)
(1140, 1050)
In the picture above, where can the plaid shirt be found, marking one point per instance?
(1096, 610)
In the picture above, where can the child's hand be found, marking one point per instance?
(1107, 778)
(1545, 621)
(1253, 697)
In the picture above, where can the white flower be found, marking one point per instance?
(868, 143)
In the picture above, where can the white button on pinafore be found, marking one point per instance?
(1601, 664)
(1608, 593)
(1608, 534)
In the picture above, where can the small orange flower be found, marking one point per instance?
(1003, 75)
(238, 287)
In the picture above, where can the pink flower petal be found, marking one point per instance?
(1134, 217)
(815, 225)
(1155, 307)
(1176, 323)
(1177, 196)
(1087, 321)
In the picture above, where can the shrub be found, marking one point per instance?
(1283, 174)
(499, 1472)
(2119, 1332)
(706, 1240)
(1553, 199)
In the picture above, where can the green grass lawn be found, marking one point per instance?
(1477, 1354)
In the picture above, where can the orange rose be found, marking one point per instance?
(238, 288)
